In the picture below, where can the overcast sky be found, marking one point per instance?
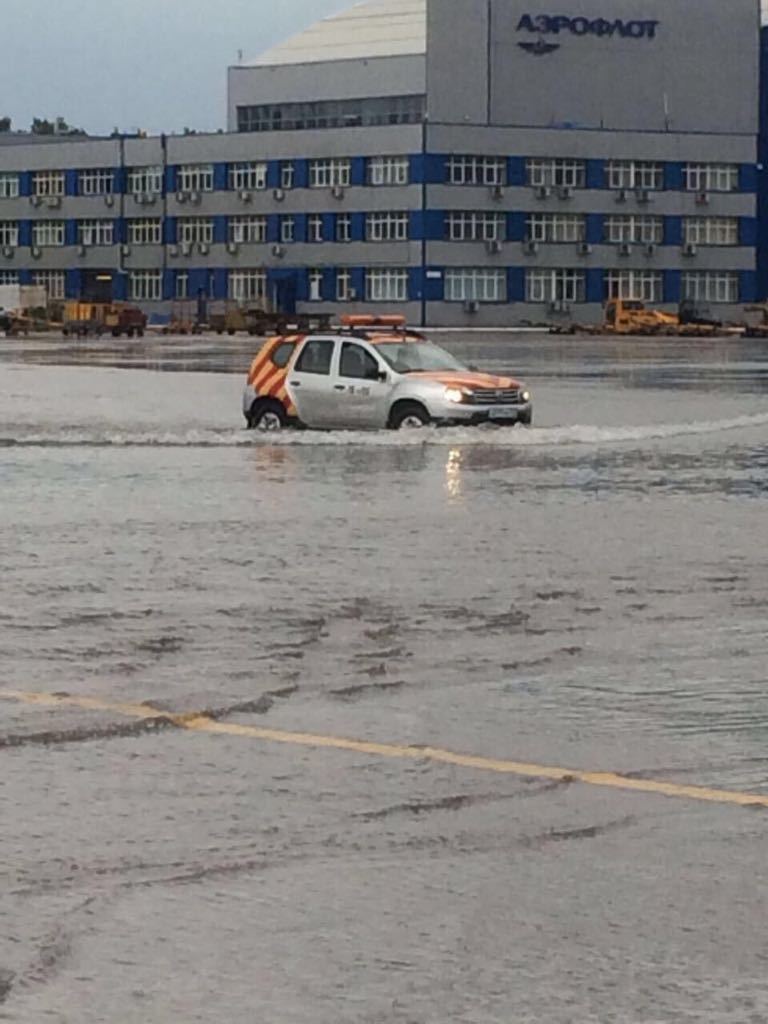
(153, 64)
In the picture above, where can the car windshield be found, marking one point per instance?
(417, 356)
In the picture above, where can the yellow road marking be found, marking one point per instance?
(196, 722)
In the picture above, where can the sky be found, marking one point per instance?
(157, 65)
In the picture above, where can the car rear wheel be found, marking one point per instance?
(409, 416)
(268, 417)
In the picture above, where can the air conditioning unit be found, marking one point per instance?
(233, 248)
(625, 249)
(559, 306)
(204, 248)
(109, 199)
(497, 191)
(82, 250)
(338, 192)
(9, 252)
(173, 250)
(689, 249)
(54, 202)
(140, 200)
(278, 194)
(278, 251)
(493, 246)
(36, 252)
(531, 247)
(125, 250)
(650, 249)
(194, 198)
(643, 195)
(543, 192)
(471, 306)
(181, 197)
(186, 248)
(565, 192)
(245, 196)
(36, 200)
(622, 195)
(149, 199)
(702, 199)
(584, 249)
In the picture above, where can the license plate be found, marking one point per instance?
(504, 412)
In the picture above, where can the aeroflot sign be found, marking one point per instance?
(557, 24)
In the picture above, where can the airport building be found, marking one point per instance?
(468, 162)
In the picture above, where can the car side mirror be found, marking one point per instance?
(382, 376)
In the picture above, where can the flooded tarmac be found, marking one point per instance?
(327, 706)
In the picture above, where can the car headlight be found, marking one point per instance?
(455, 394)
(525, 396)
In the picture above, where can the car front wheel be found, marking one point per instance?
(409, 416)
(268, 417)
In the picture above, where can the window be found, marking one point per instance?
(95, 232)
(711, 286)
(9, 277)
(544, 285)
(636, 228)
(248, 177)
(478, 284)
(386, 227)
(182, 284)
(477, 170)
(54, 282)
(645, 285)
(287, 229)
(344, 285)
(195, 230)
(245, 230)
(357, 363)
(388, 170)
(9, 185)
(343, 227)
(634, 174)
(145, 285)
(145, 181)
(276, 117)
(556, 173)
(330, 173)
(281, 355)
(711, 230)
(98, 181)
(386, 284)
(315, 227)
(316, 357)
(711, 177)
(248, 285)
(555, 227)
(315, 275)
(48, 183)
(287, 175)
(9, 233)
(48, 233)
(195, 178)
(474, 227)
(145, 231)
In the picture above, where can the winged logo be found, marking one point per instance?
(539, 48)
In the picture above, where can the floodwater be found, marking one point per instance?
(589, 595)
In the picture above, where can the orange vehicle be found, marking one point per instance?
(373, 372)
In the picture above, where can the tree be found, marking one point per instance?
(5, 124)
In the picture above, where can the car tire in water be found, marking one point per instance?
(409, 416)
(526, 420)
(268, 417)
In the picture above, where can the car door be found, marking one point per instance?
(362, 385)
(311, 385)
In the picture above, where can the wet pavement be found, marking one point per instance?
(586, 596)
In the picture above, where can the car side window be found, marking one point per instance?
(316, 357)
(282, 354)
(357, 363)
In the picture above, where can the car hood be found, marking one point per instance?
(467, 379)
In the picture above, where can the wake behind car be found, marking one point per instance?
(373, 373)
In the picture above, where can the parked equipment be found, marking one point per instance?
(92, 319)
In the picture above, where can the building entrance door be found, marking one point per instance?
(98, 285)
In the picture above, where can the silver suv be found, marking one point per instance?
(371, 375)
